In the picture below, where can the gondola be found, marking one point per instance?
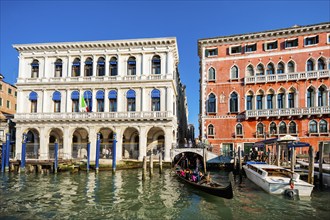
(210, 187)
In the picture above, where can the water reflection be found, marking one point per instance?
(126, 195)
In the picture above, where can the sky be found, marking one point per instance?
(23, 22)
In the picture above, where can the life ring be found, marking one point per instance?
(289, 193)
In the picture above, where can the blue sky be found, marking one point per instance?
(59, 21)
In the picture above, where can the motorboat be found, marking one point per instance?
(277, 180)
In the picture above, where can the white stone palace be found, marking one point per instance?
(68, 92)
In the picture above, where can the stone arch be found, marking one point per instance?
(131, 141)
(156, 142)
(55, 134)
(106, 138)
(32, 143)
(80, 138)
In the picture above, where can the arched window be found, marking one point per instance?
(113, 100)
(100, 100)
(113, 66)
(211, 76)
(249, 101)
(250, 71)
(233, 103)
(310, 65)
(210, 130)
(33, 97)
(131, 66)
(89, 67)
(323, 126)
(291, 67)
(280, 68)
(259, 103)
(322, 97)
(155, 100)
(211, 107)
(320, 64)
(234, 72)
(260, 129)
(130, 100)
(75, 101)
(282, 128)
(280, 99)
(310, 97)
(76, 67)
(313, 126)
(291, 102)
(35, 69)
(58, 68)
(57, 101)
(270, 69)
(88, 100)
(292, 127)
(273, 128)
(156, 67)
(239, 129)
(101, 67)
(260, 70)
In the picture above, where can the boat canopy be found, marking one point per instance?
(264, 142)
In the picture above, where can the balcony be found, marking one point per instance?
(287, 77)
(83, 79)
(288, 112)
(93, 116)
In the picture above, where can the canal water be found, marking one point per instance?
(126, 195)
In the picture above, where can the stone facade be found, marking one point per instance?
(265, 85)
(69, 92)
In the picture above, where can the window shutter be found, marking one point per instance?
(317, 39)
(206, 53)
(264, 45)
(275, 45)
(305, 41)
(240, 49)
(216, 51)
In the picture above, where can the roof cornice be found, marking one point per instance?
(272, 34)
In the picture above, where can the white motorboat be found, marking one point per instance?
(277, 180)
(325, 168)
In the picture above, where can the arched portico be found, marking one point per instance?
(55, 135)
(130, 149)
(156, 142)
(32, 144)
(106, 136)
(79, 143)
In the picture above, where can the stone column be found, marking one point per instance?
(106, 65)
(82, 66)
(169, 99)
(68, 103)
(121, 100)
(94, 66)
(67, 142)
(44, 143)
(142, 143)
(119, 151)
(168, 143)
(18, 145)
(69, 66)
(94, 101)
(143, 103)
(106, 101)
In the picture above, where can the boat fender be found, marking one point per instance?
(291, 183)
(289, 193)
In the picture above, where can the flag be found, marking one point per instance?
(83, 106)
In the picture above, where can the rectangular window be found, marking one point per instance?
(34, 106)
(9, 90)
(100, 105)
(270, 46)
(211, 52)
(15, 93)
(0, 101)
(291, 43)
(131, 104)
(291, 100)
(155, 104)
(8, 104)
(235, 50)
(251, 48)
(57, 106)
(280, 100)
(113, 105)
(227, 149)
(0, 86)
(311, 40)
(75, 105)
(328, 39)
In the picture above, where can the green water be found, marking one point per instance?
(125, 195)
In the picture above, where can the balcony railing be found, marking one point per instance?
(81, 79)
(288, 112)
(287, 77)
(94, 116)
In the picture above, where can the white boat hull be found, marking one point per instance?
(278, 185)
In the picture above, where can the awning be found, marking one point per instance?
(298, 144)
(264, 142)
(100, 95)
(287, 138)
(56, 96)
(112, 94)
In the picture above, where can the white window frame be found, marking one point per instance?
(209, 49)
(251, 44)
(291, 39)
(309, 45)
(231, 47)
(269, 42)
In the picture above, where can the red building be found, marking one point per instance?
(265, 85)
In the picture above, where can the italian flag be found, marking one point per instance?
(83, 106)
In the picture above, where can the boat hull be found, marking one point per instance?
(278, 185)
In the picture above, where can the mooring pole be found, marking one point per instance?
(278, 154)
(311, 165)
(321, 150)
(3, 159)
(144, 167)
(97, 157)
(151, 164)
(88, 155)
(55, 156)
(23, 155)
(114, 152)
(160, 163)
(293, 158)
(7, 151)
